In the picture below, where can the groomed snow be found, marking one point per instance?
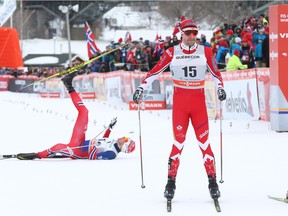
(254, 164)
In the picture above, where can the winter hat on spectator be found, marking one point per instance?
(248, 36)
(229, 32)
(218, 33)
(236, 52)
(237, 40)
(188, 25)
(244, 39)
(238, 30)
(224, 43)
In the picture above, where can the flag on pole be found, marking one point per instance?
(177, 26)
(128, 37)
(159, 44)
(90, 39)
(157, 37)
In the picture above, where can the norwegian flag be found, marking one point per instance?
(128, 37)
(158, 37)
(177, 26)
(159, 44)
(91, 45)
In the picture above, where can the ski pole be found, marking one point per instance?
(140, 142)
(100, 132)
(75, 68)
(221, 146)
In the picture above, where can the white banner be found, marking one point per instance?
(242, 98)
(7, 7)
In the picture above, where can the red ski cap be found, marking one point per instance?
(188, 25)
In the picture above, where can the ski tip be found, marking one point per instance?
(278, 199)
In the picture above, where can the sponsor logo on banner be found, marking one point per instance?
(88, 95)
(3, 85)
(273, 55)
(147, 105)
(148, 102)
(50, 94)
(283, 35)
(283, 17)
(273, 36)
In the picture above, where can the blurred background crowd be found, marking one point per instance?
(247, 41)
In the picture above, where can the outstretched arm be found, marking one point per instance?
(110, 127)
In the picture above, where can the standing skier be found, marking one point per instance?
(188, 63)
(78, 147)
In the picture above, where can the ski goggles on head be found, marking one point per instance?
(189, 32)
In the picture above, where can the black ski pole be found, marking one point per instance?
(140, 142)
(221, 146)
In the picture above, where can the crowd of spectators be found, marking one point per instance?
(138, 55)
(249, 41)
(250, 38)
(40, 72)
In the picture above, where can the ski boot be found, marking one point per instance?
(170, 189)
(27, 156)
(169, 193)
(67, 81)
(213, 188)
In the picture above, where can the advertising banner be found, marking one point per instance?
(4, 81)
(263, 80)
(278, 48)
(242, 99)
(7, 7)
(149, 102)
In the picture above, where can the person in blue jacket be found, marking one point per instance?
(221, 54)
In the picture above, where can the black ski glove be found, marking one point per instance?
(221, 94)
(113, 122)
(137, 95)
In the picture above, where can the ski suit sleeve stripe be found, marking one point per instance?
(93, 153)
(107, 133)
(161, 65)
(212, 67)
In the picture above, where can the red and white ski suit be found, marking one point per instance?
(188, 66)
(78, 147)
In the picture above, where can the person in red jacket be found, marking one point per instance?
(188, 63)
(78, 147)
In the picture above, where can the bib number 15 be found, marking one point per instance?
(190, 71)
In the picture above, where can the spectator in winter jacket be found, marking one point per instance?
(236, 45)
(221, 54)
(204, 41)
(258, 53)
(235, 63)
(265, 48)
(262, 20)
(246, 54)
